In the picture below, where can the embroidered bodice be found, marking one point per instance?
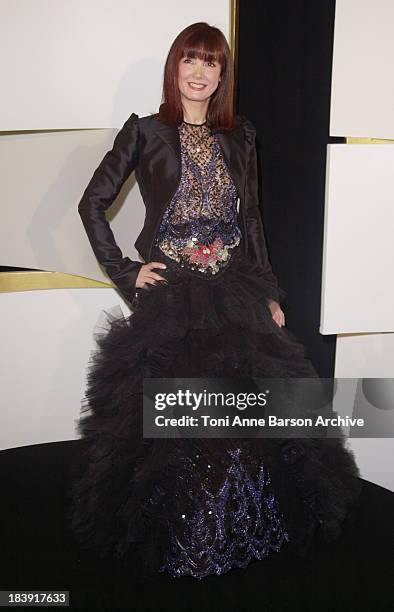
(199, 228)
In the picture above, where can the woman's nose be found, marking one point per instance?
(198, 72)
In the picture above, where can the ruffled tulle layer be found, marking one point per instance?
(199, 506)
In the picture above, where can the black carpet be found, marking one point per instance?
(39, 553)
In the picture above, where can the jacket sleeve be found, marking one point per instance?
(103, 188)
(257, 248)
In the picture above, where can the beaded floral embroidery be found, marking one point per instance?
(200, 256)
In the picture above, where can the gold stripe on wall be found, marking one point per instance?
(234, 42)
(356, 140)
(28, 281)
(233, 28)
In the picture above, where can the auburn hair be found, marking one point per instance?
(209, 44)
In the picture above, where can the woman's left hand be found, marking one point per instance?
(277, 313)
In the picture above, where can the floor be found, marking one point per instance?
(39, 553)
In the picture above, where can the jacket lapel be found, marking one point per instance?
(170, 136)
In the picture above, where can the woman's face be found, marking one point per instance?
(197, 80)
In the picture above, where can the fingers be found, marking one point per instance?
(152, 276)
(148, 277)
(155, 281)
(279, 319)
(156, 264)
(155, 276)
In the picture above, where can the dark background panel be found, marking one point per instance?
(283, 86)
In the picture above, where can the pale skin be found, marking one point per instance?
(195, 101)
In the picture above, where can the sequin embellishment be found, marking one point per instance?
(229, 528)
(199, 228)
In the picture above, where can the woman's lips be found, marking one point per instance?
(196, 87)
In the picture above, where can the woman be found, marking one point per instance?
(205, 304)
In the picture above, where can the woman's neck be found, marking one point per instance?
(195, 113)
(194, 120)
(196, 124)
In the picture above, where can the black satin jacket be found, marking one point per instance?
(152, 149)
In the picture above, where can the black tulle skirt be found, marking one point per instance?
(196, 507)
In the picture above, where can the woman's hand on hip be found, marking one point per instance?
(277, 313)
(146, 275)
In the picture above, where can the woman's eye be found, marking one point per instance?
(188, 59)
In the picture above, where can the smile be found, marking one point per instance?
(196, 86)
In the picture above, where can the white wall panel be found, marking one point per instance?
(362, 94)
(46, 340)
(89, 63)
(358, 249)
(43, 177)
(363, 356)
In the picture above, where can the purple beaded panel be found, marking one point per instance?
(223, 529)
(199, 228)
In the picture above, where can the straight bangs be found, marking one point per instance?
(204, 52)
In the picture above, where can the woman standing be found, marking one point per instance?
(205, 304)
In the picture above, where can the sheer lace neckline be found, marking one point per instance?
(195, 124)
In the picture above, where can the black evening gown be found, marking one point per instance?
(191, 506)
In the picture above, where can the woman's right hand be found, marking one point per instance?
(146, 276)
